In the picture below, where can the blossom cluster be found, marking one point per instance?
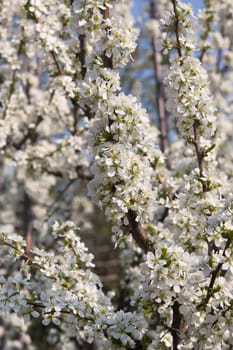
(112, 35)
(73, 298)
(187, 84)
(64, 119)
(124, 174)
(120, 134)
(217, 55)
(180, 13)
(187, 276)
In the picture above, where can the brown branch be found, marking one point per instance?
(75, 120)
(215, 273)
(41, 306)
(205, 35)
(28, 135)
(138, 233)
(178, 325)
(165, 189)
(196, 140)
(54, 57)
(26, 88)
(21, 254)
(177, 27)
(219, 60)
(27, 222)
(51, 208)
(200, 155)
(25, 256)
(60, 72)
(82, 55)
(159, 90)
(178, 320)
(108, 61)
(82, 173)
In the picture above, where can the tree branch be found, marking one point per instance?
(204, 37)
(30, 135)
(25, 256)
(108, 62)
(159, 90)
(215, 273)
(177, 28)
(27, 223)
(200, 155)
(82, 55)
(178, 320)
(138, 233)
(178, 325)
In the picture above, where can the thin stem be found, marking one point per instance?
(196, 140)
(177, 28)
(54, 57)
(25, 256)
(21, 253)
(51, 209)
(215, 273)
(200, 155)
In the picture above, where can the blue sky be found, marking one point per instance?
(137, 4)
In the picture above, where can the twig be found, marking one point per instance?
(51, 208)
(215, 274)
(196, 141)
(200, 155)
(177, 28)
(54, 57)
(25, 256)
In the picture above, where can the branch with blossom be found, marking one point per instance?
(73, 294)
(65, 121)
